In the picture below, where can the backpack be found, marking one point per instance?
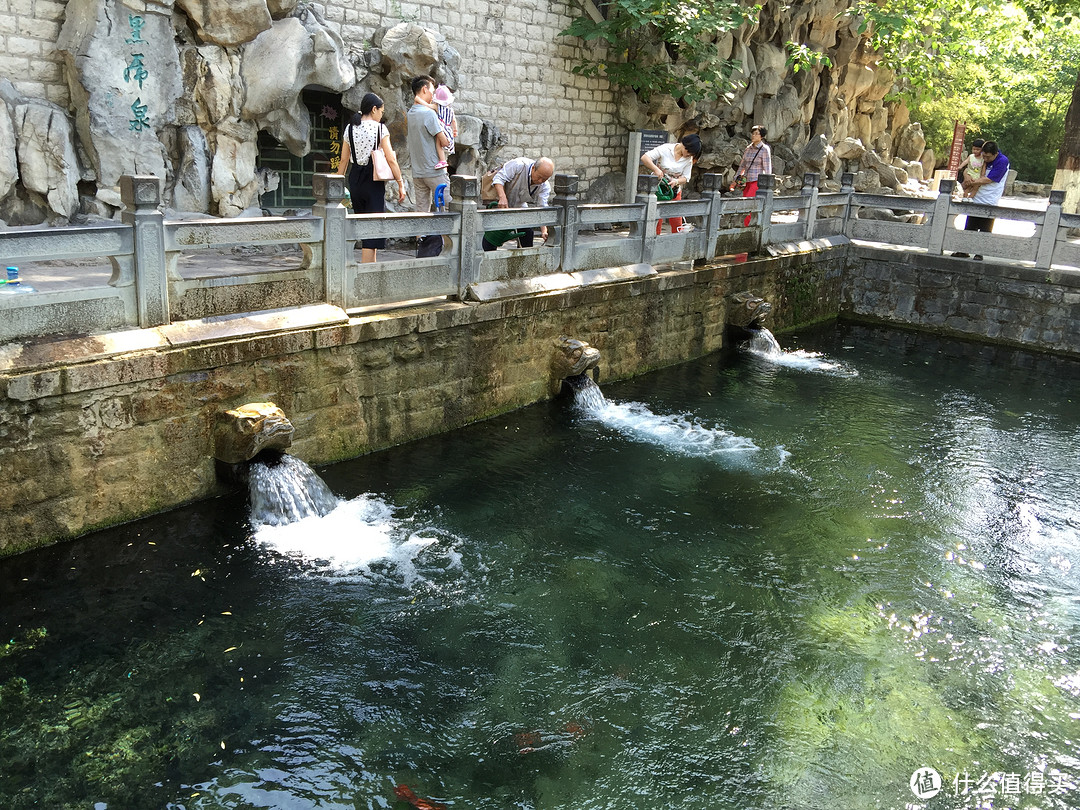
(487, 190)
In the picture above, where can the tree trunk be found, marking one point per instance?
(1067, 175)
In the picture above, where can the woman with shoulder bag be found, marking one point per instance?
(366, 153)
(757, 160)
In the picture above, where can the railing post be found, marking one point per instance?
(645, 231)
(141, 195)
(712, 185)
(939, 222)
(847, 188)
(329, 190)
(464, 196)
(810, 189)
(1048, 237)
(766, 191)
(566, 234)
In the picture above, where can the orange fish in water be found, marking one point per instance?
(576, 730)
(404, 792)
(528, 742)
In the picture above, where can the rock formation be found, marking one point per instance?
(181, 89)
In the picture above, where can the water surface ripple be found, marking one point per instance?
(561, 608)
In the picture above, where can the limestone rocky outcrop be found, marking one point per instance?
(181, 89)
(37, 151)
(830, 118)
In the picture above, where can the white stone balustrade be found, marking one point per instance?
(146, 290)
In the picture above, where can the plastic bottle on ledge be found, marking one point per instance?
(13, 286)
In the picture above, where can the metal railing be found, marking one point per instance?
(145, 250)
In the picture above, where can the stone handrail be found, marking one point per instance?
(147, 289)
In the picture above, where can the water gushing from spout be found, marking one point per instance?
(283, 489)
(684, 434)
(764, 344)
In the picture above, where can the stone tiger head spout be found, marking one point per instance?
(747, 310)
(244, 432)
(572, 357)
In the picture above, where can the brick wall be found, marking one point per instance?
(28, 57)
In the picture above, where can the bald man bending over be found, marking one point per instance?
(522, 182)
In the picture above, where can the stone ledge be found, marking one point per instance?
(805, 246)
(627, 272)
(42, 353)
(517, 288)
(225, 327)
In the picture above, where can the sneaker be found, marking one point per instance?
(442, 164)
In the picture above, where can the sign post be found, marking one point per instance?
(956, 152)
(641, 141)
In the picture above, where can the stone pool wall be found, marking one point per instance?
(126, 431)
(1000, 303)
(126, 428)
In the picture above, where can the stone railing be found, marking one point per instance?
(147, 288)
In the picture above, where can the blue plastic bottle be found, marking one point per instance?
(14, 286)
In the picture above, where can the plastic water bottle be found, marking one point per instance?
(13, 286)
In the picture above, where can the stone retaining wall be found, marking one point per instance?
(112, 437)
(88, 444)
(999, 303)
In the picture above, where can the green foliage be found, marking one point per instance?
(801, 57)
(922, 42)
(665, 47)
(1018, 97)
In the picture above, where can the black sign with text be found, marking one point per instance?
(652, 138)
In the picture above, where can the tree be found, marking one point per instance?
(1067, 176)
(664, 46)
(934, 44)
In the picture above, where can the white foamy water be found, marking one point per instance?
(684, 434)
(296, 515)
(764, 344)
(360, 536)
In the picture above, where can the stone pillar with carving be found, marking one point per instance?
(712, 187)
(141, 195)
(1048, 234)
(766, 193)
(847, 188)
(810, 189)
(939, 219)
(566, 232)
(645, 231)
(464, 196)
(329, 191)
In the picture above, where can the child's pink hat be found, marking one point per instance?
(443, 95)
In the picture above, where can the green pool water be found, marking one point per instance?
(738, 583)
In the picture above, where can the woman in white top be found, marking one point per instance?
(363, 135)
(675, 162)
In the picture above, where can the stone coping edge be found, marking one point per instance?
(49, 367)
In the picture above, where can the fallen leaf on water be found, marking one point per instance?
(196, 696)
(230, 649)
